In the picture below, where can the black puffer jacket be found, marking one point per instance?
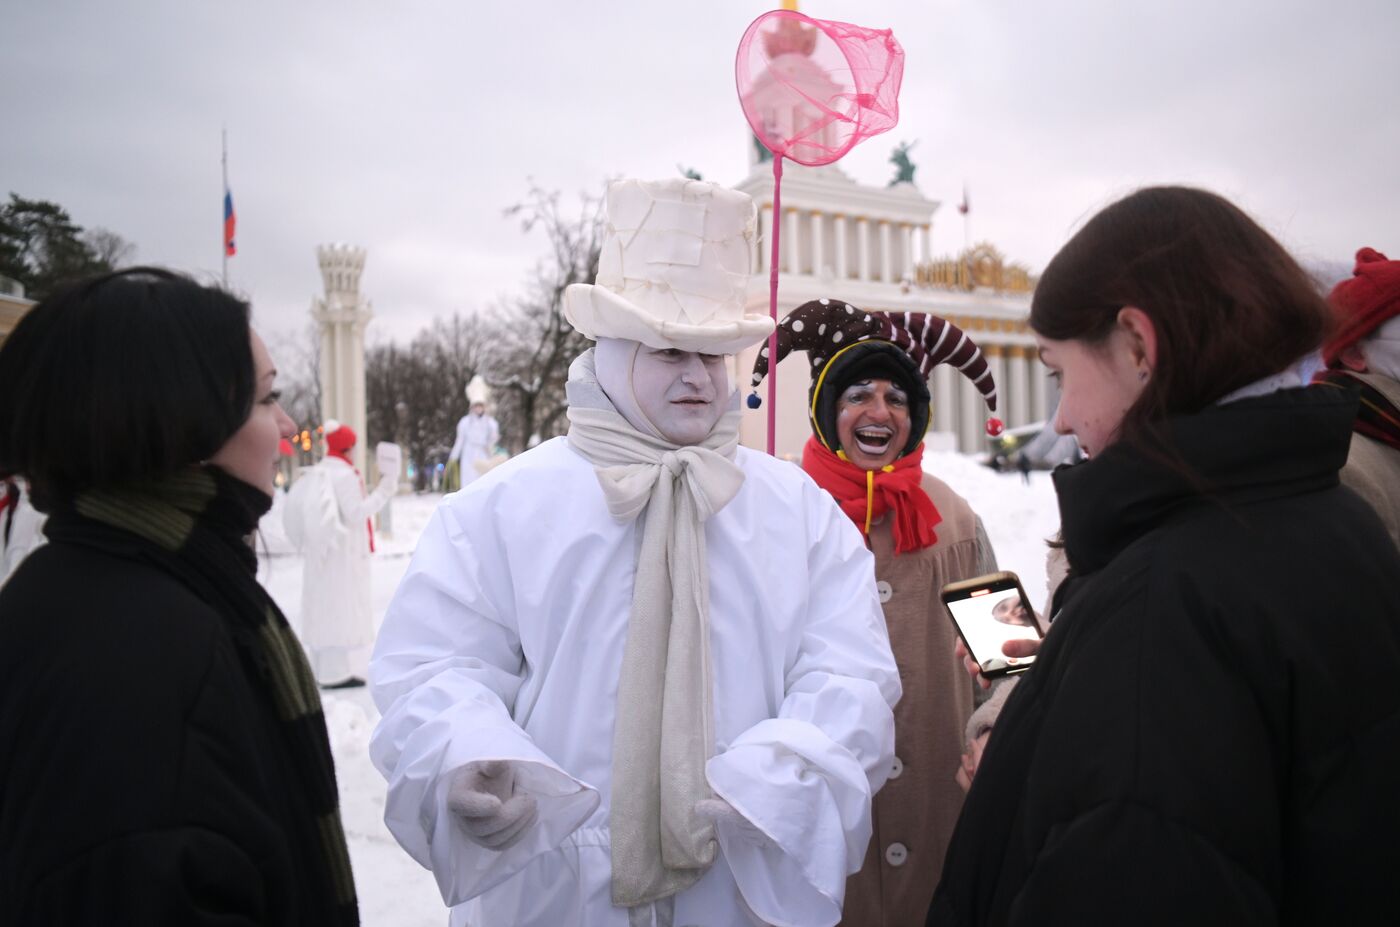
(1212, 732)
(141, 779)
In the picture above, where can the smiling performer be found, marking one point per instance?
(639, 675)
(869, 408)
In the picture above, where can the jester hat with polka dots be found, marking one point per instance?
(846, 345)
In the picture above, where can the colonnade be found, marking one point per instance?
(844, 247)
(1022, 394)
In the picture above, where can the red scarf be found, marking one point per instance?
(865, 495)
(369, 522)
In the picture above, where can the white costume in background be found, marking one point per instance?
(26, 534)
(477, 437)
(337, 623)
(505, 641)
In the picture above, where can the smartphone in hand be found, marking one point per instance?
(988, 611)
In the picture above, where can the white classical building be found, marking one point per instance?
(341, 316)
(870, 246)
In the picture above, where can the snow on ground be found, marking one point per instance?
(394, 890)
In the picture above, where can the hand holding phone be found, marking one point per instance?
(996, 623)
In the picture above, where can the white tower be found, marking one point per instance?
(342, 315)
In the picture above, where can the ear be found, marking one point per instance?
(1353, 358)
(1138, 326)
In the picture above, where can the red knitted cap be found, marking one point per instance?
(1363, 302)
(340, 440)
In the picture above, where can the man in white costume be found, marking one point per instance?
(337, 624)
(477, 434)
(639, 675)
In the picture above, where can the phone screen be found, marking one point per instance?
(989, 618)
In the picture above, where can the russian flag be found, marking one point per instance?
(230, 221)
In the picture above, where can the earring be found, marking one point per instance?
(1142, 375)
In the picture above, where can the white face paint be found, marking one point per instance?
(681, 393)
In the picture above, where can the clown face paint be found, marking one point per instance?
(872, 423)
(681, 393)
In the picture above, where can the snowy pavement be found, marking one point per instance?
(394, 890)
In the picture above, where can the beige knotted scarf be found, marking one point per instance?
(664, 733)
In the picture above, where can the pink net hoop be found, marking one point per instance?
(813, 89)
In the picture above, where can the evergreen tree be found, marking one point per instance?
(41, 246)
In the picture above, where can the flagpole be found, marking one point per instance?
(223, 244)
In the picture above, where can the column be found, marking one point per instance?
(327, 371)
(863, 246)
(337, 403)
(944, 388)
(362, 447)
(838, 231)
(906, 251)
(1018, 407)
(818, 246)
(794, 241)
(927, 244)
(971, 416)
(765, 237)
(886, 264)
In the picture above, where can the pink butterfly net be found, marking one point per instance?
(813, 89)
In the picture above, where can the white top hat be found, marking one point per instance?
(674, 269)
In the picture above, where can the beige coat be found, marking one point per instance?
(916, 810)
(1373, 468)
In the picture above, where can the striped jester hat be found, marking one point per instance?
(845, 344)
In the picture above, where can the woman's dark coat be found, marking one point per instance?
(142, 780)
(1211, 734)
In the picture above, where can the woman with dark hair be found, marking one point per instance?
(1211, 733)
(163, 756)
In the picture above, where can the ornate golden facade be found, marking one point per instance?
(982, 266)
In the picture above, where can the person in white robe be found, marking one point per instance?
(337, 621)
(478, 433)
(639, 675)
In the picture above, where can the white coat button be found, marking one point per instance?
(896, 768)
(885, 591)
(896, 854)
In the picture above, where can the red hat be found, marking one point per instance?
(1363, 302)
(339, 439)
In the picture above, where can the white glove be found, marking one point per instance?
(388, 457)
(492, 811)
(724, 815)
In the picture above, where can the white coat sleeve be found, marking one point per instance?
(446, 670)
(806, 777)
(355, 505)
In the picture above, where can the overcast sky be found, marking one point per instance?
(408, 127)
